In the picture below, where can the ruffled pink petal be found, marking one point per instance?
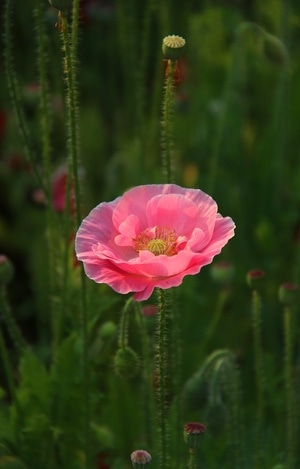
(223, 232)
(173, 211)
(129, 229)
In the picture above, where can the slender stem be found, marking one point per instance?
(11, 386)
(289, 387)
(259, 372)
(193, 459)
(123, 334)
(14, 91)
(162, 364)
(13, 328)
(45, 127)
(70, 59)
(168, 164)
(148, 397)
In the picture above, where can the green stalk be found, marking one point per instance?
(70, 59)
(289, 388)
(148, 398)
(168, 163)
(45, 126)
(14, 91)
(162, 366)
(259, 375)
(123, 333)
(13, 329)
(11, 386)
(193, 459)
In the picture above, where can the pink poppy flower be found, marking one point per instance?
(152, 236)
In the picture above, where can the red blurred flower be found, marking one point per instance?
(59, 189)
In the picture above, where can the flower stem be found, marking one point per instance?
(13, 329)
(289, 387)
(70, 49)
(123, 334)
(162, 365)
(14, 91)
(259, 372)
(168, 164)
(148, 398)
(193, 459)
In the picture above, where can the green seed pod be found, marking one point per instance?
(254, 278)
(222, 272)
(61, 5)
(6, 270)
(173, 47)
(126, 362)
(288, 294)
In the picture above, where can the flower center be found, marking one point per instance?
(158, 240)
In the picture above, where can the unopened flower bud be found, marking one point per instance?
(192, 434)
(274, 50)
(107, 330)
(61, 5)
(140, 457)
(6, 270)
(288, 293)
(254, 278)
(222, 272)
(126, 362)
(173, 46)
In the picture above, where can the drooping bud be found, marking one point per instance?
(192, 434)
(274, 50)
(6, 270)
(222, 272)
(254, 278)
(126, 362)
(288, 293)
(140, 457)
(173, 47)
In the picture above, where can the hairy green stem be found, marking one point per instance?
(259, 374)
(123, 333)
(13, 329)
(162, 366)
(168, 163)
(193, 459)
(289, 388)
(14, 91)
(148, 397)
(45, 126)
(70, 50)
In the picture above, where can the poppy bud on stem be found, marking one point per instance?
(172, 48)
(192, 434)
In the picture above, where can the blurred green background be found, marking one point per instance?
(236, 136)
